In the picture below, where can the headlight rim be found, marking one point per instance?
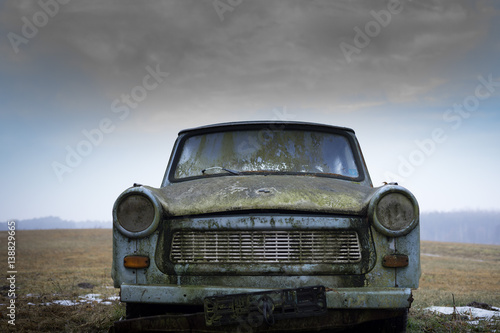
(158, 212)
(372, 210)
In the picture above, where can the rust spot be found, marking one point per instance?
(395, 260)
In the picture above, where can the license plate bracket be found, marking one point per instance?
(265, 306)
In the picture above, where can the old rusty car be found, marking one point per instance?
(266, 226)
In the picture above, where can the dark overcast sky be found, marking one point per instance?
(393, 71)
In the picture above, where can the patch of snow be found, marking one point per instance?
(64, 302)
(472, 313)
(92, 298)
(85, 299)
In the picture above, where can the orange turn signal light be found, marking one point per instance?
(395, 260)
(136, 262)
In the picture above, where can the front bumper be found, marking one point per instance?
(339, 298)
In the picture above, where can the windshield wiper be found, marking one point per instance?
(233, 172)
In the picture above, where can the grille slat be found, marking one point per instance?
(285, 247)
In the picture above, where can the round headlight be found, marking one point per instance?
(394, 211)
(137, 212)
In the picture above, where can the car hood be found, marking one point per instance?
(259, 192)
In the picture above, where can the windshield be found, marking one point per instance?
(265, 151)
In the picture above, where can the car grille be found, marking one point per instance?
(284, 247)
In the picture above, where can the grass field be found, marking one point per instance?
(463, 272)
(51, 264)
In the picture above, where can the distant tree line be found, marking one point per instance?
(481, 227)
(53, 222)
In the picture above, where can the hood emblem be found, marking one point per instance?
(265, 190)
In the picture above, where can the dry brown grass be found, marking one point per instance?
(464, 272)
(471, 272)
(55, 261)
(51, 264)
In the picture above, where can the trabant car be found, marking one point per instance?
(266, 226)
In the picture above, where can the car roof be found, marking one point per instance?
(272, 124)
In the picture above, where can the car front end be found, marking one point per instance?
(236, 231)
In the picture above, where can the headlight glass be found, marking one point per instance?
(135, 213)
(395, 211)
